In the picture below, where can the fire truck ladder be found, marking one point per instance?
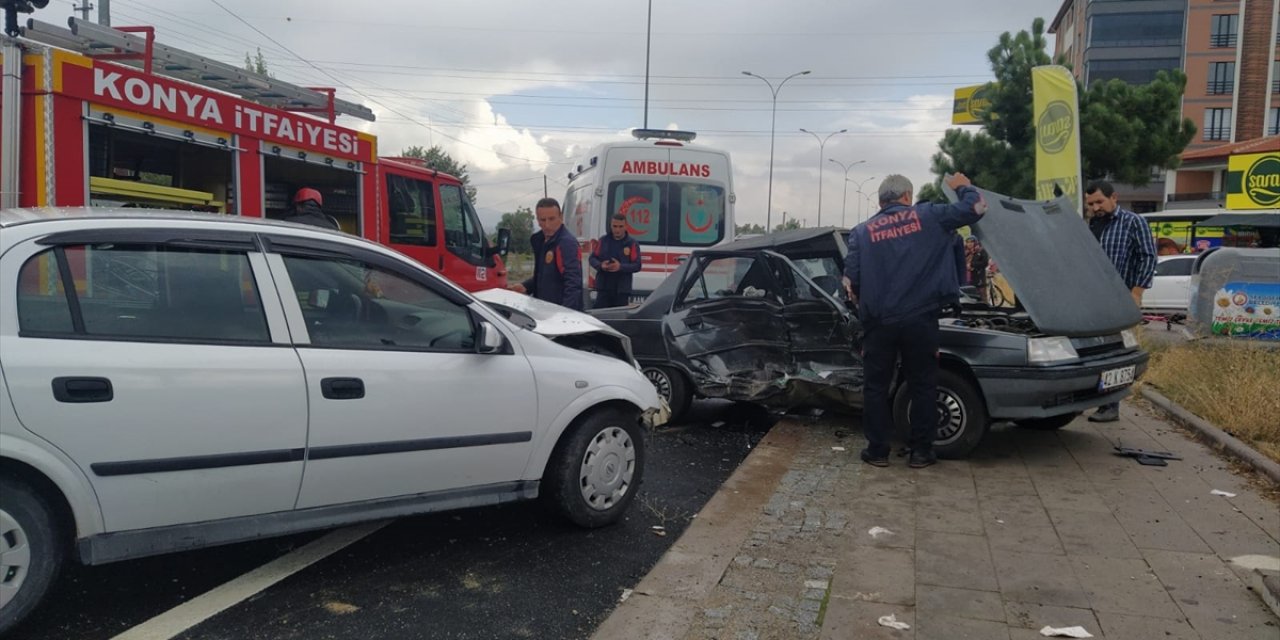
(137, 46)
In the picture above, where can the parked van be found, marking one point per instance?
(677, 197)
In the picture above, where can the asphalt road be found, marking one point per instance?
(513, 571)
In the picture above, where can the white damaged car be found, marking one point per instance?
(171, 381)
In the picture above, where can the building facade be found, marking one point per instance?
(1226, 48)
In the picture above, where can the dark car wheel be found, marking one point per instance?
(1047, 424)
(595, 470)
(31, 552)
(673, 388)
(962, 415)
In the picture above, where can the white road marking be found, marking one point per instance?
(193, 612)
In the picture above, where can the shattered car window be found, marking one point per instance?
(824, 272)
(728, 277)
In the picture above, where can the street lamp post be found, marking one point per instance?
(822, 145)
(768, 220)
(844, 199)
(863, 196)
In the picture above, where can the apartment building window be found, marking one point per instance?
(1275, 76)
(1273, 121)
(1217, 124)
(1162, 28)
(1136, 71)
(1223, 30)
(1222, 77)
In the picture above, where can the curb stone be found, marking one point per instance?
(1229, 443)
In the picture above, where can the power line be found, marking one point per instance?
(348, 86)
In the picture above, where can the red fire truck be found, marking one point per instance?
(109, 117)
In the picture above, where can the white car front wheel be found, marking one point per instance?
(596, 469)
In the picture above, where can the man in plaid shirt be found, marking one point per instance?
(1126, 239)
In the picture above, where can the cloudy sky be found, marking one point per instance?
(519, 88)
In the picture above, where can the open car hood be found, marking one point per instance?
(1056, 267)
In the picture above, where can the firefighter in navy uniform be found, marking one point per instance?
(557, 260)
(901, 271)
(615, 259)
(308, 209)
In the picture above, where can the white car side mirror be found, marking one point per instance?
(490, 340)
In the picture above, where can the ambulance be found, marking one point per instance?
(676, 197)
(108, 117)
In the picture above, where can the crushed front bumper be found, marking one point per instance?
(656, 416)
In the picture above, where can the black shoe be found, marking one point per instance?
(875, 461)
(922, 459)
(1106, 413)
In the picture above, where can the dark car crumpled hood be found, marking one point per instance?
(1056, 267)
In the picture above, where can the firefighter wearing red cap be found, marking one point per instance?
(307, 209)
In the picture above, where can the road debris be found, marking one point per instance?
(1065, 632)
(1145, 456)
(340, 608)
(892, 622)
(876, 532)
(837, 448)
(1219, 492)
(658, 530)
(626, 593)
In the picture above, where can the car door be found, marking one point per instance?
(400, 401)
(152, 358)
(728, 323)
(1171, 286)
(822, 330)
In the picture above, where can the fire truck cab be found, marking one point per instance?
(111, 118)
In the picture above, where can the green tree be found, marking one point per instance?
(520, 222)
(789, 224)
(257, 64)
(749, 228)
(437, 159)
(1125, 130)
(930, 192)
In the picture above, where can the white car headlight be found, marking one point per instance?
(1130, 339)
(1050, 349)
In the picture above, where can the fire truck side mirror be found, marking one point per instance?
(502, 243)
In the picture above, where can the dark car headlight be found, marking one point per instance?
(1054, 349)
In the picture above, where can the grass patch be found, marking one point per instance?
(1234, 384)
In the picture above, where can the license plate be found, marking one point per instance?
(1113, 378)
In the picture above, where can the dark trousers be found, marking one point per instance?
(915, 341)
(611, 298)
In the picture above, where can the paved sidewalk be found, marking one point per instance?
(1038, 528)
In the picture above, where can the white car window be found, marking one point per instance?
(1179, 267)
(149, 292)
(347, 303)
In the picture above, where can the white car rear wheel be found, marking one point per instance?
(31, 553)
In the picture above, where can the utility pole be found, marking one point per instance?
(648, 37)
(544, 185)
(773, 124)
(84, 9)
(104, 12)
(822, 145)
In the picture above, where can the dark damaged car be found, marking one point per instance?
(766, 320)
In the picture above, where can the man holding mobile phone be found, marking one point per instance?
(615, 259)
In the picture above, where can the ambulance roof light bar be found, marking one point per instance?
(663, 134)
(93, 39)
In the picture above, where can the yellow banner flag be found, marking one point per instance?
(1057, 119)
(1253, 181)
(970, 104)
